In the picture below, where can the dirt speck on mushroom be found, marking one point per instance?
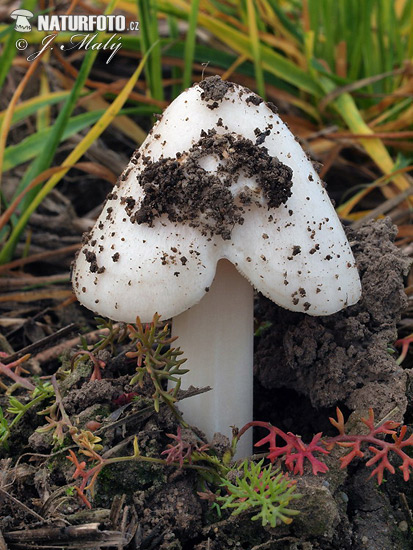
(214, 88)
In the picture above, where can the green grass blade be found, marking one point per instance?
(190, 44)
(328, 22)
(223, 7)
(5, 31)
(289, 25)
(355, 52)
(32, 146)
(75, 155)
(43, 161)
(10, 49)
(155, 61)
(347, 109)
(43, 115)
(176, 71)
(148, 36)
(407, 18)
(368, 49)
(31, 106)
(256, 48)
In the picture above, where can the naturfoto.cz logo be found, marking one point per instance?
(78, 24)
(85, 23)
(22, 20)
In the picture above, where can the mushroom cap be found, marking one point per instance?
(26, 13)
(215, 151)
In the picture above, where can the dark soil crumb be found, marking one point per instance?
(272, 107)
(130, 204)
(214, 88)
(187, 193)
(261, 137)
(176, 508)
(97, 391)
(254, 99)
(91, 259)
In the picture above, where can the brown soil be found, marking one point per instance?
(214, 88)
(188, 193)
(344, 358)
(304, 367)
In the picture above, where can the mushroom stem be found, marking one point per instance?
(216, 335)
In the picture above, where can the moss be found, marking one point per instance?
(71, 377)
(401, 540)
(126, 478)
(319, 514)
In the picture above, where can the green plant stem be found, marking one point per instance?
(190, 44)
(32, 403)
(256, 47)
(10, 50)
(175, 411)
(152, 460)
(43, 161)
(19, 415)
(90, 137)
(176, 71)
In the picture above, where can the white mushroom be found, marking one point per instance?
(22, 20)
(219, 180)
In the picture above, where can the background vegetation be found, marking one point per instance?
(340, 72)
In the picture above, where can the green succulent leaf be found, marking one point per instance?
(265, 489)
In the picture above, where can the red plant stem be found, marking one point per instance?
(5, 369)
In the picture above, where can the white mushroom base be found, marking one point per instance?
(224, 316)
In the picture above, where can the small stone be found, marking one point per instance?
(344, 497)
(403, 526)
